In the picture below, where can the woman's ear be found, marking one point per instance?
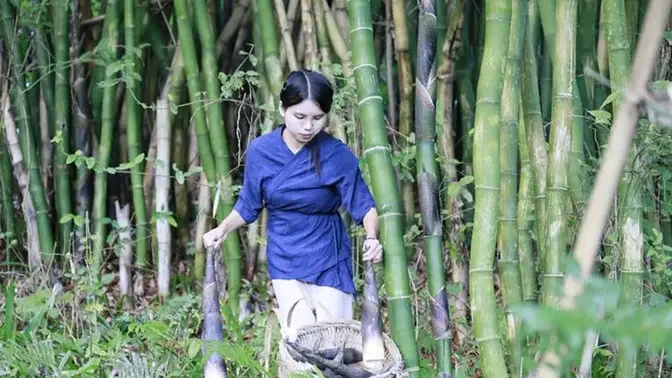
(281, 109)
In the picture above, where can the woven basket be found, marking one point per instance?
(335, 334)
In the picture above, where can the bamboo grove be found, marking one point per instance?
(480, 125)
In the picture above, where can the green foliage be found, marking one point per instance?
(79, 333)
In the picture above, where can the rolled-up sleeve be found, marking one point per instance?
(249, 201)
(351, 186)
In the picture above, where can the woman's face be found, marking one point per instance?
(304, 120)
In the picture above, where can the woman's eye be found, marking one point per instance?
(299, 116)
(319, 117)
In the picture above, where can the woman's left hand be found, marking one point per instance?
(373, 250)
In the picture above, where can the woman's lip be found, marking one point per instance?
(306, 135)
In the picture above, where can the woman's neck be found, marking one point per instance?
(291, 142)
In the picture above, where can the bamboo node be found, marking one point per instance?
(505, 219)
(487, 338)
(509, 261)
(558, 188)
(507, 172)
(364, 65)
(399, 297)
(478, 186)
(361, 28)
(365, 99)
(499, 19)
(392, 214)
(565, 96)
(487, 100)
(553, 275)
(412, 369)
(479, 270)
(375, 148)
(628, 271)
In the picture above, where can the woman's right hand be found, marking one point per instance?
(214, 237)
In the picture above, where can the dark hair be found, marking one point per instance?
(308, 85)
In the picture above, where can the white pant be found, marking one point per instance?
(313, 304)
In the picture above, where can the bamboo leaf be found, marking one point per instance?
(90, 162)
(113, 68)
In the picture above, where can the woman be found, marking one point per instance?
(303, 175)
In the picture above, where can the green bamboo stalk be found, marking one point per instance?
(335, 121)
(428, 180)
(467, 99)
(401, 42)
(232, 257)
(134, 134)
(632, 20)
(534, 130)
(577, 174)
(188, 50)
(98, 75)
(27, 139)
(455, 242)
(62, 175)
(630, 188)
(81, 123)
(666, 227)
(108, 121)
(378, 157)
(46, 80)
(587, 51)
(559, 151)
(601, 91)
(587, 63)
(525, 217)
(8, 225)
(546, 82)
(337, 42)
(508, 155)
(270, 43)
(487, 180)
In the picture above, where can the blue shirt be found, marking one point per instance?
(307, 239)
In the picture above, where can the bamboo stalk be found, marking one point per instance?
(559, 151)
(401, 42)
(609, 175)
(427, 175)
(378, 158)
(534, 130)
(62, 174)
(630, 188)
(123, 214)
(35, 259)
(6, 190)
(82, 121)
(134, 137)
(162, 188)
(310, 59)
(487, 181)
(509, 263)
(107, 129)
(285, 31)
(27, 140)
(269, 39)
(220, 150)
(45, 103)
(338, 42)
(525, 216)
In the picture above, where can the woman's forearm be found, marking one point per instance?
(371, 223)
(232, 222)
